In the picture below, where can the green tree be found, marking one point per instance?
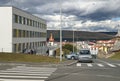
(69, 47)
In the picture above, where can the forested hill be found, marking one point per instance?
(78, 35)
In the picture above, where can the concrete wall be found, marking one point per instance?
(28, 28)
(7, 25)
(5, 29)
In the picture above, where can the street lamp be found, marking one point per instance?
(73, 39)
(60, 30)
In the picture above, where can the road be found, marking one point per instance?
(24, 72)
(100, 70)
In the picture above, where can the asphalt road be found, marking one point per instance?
(100, 70)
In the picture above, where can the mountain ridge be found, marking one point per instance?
(79, 35)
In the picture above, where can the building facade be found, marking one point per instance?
(21, 30)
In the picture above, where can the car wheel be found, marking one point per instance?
(73, 58)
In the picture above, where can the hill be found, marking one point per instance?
(78, 35)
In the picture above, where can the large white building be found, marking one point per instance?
(21, 30)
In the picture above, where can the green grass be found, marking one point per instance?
(12, 57)
(116, 56)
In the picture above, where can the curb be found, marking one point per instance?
(71, 63)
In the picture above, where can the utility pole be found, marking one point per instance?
(60, 30)
(73, 39)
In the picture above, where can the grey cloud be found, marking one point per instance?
(101, 28)
(108, 10)
(98, 10)
(4, 2)
(104, 10)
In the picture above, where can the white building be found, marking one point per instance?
(21, 30)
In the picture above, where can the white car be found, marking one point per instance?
(85, 56)
(72, 56)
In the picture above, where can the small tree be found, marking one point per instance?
(69, 47)
(66, 49)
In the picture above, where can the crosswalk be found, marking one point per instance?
(24, 73)
(97, 65)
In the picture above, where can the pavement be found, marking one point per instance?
(42, 64)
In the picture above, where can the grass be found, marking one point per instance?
(13, 57)
(116, 56)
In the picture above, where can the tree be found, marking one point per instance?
(69, 47)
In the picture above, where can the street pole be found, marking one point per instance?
(73, 39)
(60, 30)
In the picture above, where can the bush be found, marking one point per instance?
(69, 47)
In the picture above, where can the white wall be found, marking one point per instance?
(5, 29)
(28, 28)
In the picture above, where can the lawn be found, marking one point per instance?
(13, 57)
(116, 56)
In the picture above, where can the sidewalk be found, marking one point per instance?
(42, 64)
(68, 62)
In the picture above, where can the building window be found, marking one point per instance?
(30, 22)
(20, 19)
(14, 48)
(19, 33)
(19, 47)
(14, 32)
(23, 33)
(27, 21)
(16, 18)
(24, 20)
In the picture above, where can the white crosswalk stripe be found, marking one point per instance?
(97, 65)
(100, 65)
(18, 80)
(78, 64)
(111, 65)
(118, 64)
(89, 65)
(23, 73)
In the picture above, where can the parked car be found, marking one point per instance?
(85, 56)
(72, 56)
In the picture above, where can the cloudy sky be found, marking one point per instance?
(82, 15)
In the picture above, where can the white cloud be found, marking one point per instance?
(89, 15)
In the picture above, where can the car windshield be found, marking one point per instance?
(84, 52)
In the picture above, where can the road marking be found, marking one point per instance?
(118, 64)
(34, 74)
(23, 73)
(89, 65)
(30, 77)
(100, 65)
(18, 80)
(111, 65)
(78, 64)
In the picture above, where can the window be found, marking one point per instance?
(14, 47)
(24, 20)
(20, 19)
(14, 32)
(20, 33)
(30, 22)
(23, 33)
(16, 18)
(27, 21)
